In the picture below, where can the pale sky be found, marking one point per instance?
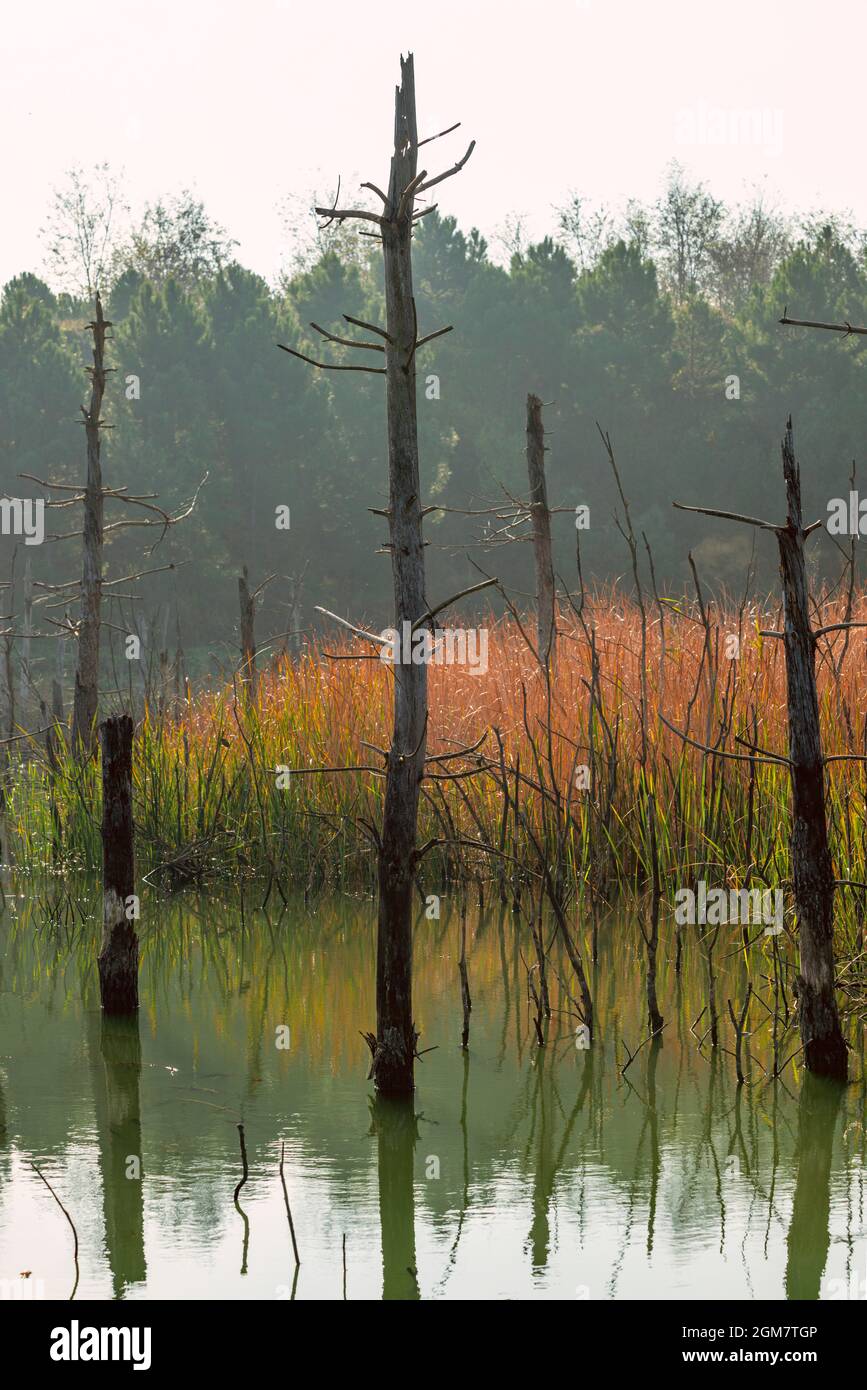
(247, 101)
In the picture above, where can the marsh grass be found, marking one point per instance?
(208, 803)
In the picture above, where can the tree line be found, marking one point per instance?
(660, 325)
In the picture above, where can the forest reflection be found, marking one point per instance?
(515, 1171)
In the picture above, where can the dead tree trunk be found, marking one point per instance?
(394, 1044)
(813, 873)
(8, 686)
(118, 958)
(541, 519)
(25, 682)
(8, 689)
(651, 936)
(51, 753)
(248, 638)
(86, 705)
(143, 633)
(57, 682)
(396, 1037)
(296, 591)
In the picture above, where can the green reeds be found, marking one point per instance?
(289, 785)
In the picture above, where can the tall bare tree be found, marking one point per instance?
(393, 1045)
(825, 1051)
(541, 517)
(87, 670)
(91, 586)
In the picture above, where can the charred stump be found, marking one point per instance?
(118, 958)
(248, 637)
(812, 870)
(541, 519)
(86, 702)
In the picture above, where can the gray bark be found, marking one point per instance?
(541, 519)
(25, 685)
(9, 689)
(57, 682)
(141, 631)
(394, 1045)
(118, 958)
(8, 684)
(179, 680)
(86, 703)
(812, 870)
(295, 608)
(248, 638)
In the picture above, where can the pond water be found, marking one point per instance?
(516, 1172)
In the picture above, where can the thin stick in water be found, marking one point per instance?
(71, 1222)
(243, 1161)
(289, 1213)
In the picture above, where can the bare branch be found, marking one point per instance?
(346, 342)
(847, 328)
(378, 191)
(335, 215)
(721, 753)
(446, 603)
(729, 516)
(836, 627)
(371, 327)
(429, 337)
(461, 752)
(409, 193)
(359, 631)
(430, 138)
(331, 366)
(308, 771)
(456, 169)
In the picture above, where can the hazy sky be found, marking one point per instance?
(247, 101)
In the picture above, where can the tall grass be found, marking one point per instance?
(207, 799)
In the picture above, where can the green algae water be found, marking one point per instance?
(516, 1172)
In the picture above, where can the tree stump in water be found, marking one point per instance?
(812, 869)
(118, 957)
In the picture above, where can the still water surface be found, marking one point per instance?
(517, 1172)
